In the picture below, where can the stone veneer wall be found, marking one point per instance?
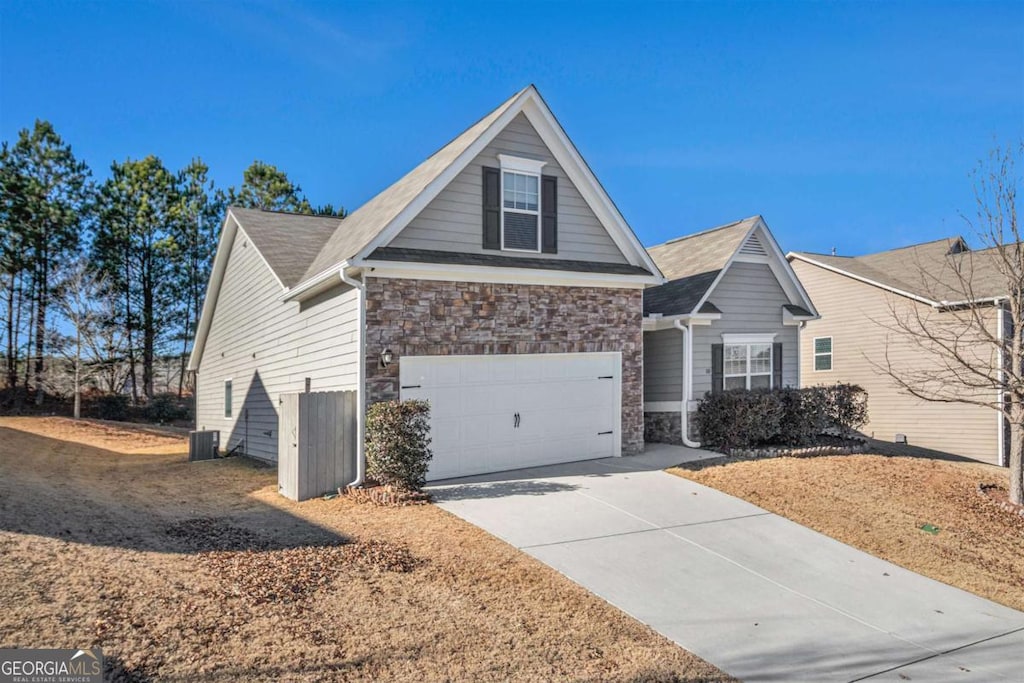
(667, 427)
(435, 318)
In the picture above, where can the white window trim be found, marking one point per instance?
(521, 166)
(815, 354)
(764, 338)
(224, 410)
(761, 339)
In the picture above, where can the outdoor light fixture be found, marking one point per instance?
(386, 357)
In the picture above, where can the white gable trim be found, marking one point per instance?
(859, 278)
(776, 261)
(228, 234)
(569, 158)
(536, 111)
(504, 275)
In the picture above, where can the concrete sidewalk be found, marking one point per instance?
(759, 596)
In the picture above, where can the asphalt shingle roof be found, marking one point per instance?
(366, 222)
(288, 241)
(932, 270)
(691, 264)
(502, 261)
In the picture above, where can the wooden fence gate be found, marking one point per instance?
(316, 451)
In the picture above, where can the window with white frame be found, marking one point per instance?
(227, 399)
(520, 203)
(747, 366)
(822, 354)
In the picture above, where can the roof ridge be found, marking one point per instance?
(705, 231)
(821, 253)
(953, 238)
(466, 129)
(233, 207)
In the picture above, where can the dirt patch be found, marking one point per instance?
(879, 504)
(202, 571)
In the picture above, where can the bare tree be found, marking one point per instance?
(80, 291)
(965, 346)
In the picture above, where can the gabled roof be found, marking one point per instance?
(378, 221)
(929, 272)
(703, 252)
(366, 222)
(327, 245)
(695, 264)
(288, 242)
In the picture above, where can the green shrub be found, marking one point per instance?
(164, 408)
(785, 417)
(398, 443)
(739, 418)
(112, 407)
(845, 407)
(803, 416)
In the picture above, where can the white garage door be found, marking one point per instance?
(494, 413)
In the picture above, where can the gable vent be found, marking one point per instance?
(753, 247)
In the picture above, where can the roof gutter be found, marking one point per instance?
(995, 301)
(307, 288)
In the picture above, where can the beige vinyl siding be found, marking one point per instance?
(751, 300)
(453, 221)
(854, 314)
(267, 347)
(663, 366)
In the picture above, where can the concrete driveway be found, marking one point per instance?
(762, 598)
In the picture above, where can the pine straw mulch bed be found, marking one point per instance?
(879, 503)
(203, 572)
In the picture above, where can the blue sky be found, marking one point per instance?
(852, 126)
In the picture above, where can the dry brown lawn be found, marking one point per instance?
(878, 504)
(184, 572)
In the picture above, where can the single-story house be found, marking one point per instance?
(727, 319)
(857, 339)
(496, 279)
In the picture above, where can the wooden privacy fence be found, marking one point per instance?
(316, 450)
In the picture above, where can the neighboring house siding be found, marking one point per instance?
(853, 314)
(751, 301)
(453, 221)
(433, 318)
(267, 347)
(663, 366)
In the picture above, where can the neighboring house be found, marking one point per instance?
(854, 340)
(496, 280)
(732, 290)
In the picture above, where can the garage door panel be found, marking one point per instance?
(562, 404)
(487, 429)
(483, 398)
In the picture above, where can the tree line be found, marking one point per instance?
(105, 278)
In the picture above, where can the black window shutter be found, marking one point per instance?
(777, 365)
(717, 368)
(492, 208)
(549, 214)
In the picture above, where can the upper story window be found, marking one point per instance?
(747, 366)
(520, 206)
(822, 354)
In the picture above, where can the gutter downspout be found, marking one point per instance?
(687, 381)
(360, 287)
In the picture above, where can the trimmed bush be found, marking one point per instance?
(779, 417)
(398, 443)
(845, 407)
(164, 408)
(112, 407)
